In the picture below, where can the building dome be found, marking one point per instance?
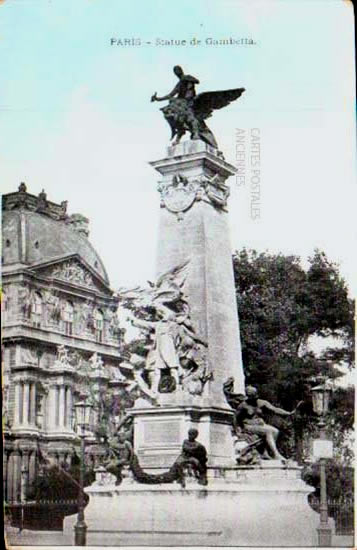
(36, 231)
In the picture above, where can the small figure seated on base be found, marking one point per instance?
(193, 459)
(120, 455)
(250, 427)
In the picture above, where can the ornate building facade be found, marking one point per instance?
(60, 333)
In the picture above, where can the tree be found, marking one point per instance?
(281, 307)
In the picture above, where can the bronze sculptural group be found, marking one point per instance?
(187, 111)
(175, 357)
(257, 438)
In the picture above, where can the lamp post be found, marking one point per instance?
(83, 417)
(323, 450)
(23, 495)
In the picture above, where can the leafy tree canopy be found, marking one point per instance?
(281, 307)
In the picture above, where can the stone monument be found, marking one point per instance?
(190, 320)
(194, 232)
(194, 229)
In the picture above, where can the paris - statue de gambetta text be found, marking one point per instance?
(187, 111)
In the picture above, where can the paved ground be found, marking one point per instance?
(37, 538)
(342, 541)
(57, 538)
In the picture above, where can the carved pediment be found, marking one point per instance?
(73, 271)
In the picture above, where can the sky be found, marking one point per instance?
(77, 120)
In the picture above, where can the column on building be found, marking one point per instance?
(62, 406)
(52, 403)
(16, 477)
(26, 403)
(10, 476)
(33, 396)
(69, 401)
(59, 407)
(18, 405)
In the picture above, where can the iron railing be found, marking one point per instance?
(342, 511)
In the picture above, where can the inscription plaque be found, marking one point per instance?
(162, 433)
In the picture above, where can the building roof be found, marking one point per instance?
(35, 230)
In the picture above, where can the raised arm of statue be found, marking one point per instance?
(140, 323)
(276, 410)
(172, 94)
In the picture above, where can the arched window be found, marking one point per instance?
(68, 314)
(36, 309)
(99, 325)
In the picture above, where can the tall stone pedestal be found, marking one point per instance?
(239, 507)
(194, 228)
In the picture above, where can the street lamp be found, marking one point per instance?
(323, 450)
(83, 418)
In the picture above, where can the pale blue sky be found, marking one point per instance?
(76, 117)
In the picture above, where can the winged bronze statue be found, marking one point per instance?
(187, 111)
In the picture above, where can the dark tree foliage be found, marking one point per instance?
(281, 306)
(339, 480)
(55, 484)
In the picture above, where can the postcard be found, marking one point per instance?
(178, 195)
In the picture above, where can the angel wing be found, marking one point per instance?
(175, 275)
(169, 284)
(207, 102)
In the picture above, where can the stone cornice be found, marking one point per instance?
(188, 154)
(21, 331)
